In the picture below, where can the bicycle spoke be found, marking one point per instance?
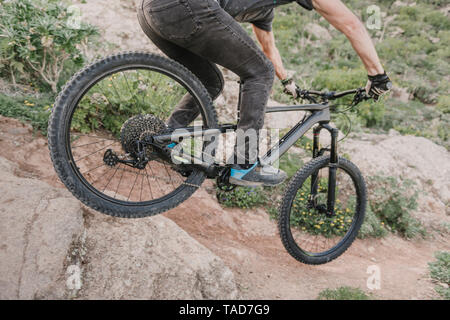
(110, 179)
(95, 137)
(149, 186)
(98, 179)
(79, 159)
(132, 188)
(88, 144)
(142, 186)
(102, 165)
(118, 185)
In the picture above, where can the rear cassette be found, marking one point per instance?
(136, 129)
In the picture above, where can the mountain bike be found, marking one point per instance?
(109, 146)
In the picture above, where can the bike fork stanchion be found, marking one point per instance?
(332, 172)
(316, 147)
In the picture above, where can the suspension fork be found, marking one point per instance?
(334, 162)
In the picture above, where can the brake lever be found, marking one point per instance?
(360, 96)
(303, 94)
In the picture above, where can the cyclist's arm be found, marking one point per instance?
(267, 41)
(337, 13)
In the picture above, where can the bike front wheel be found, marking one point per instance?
(311, 231)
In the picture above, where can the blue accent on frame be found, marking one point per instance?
(239, 174)
(172, 145)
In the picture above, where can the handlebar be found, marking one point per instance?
(360, 95)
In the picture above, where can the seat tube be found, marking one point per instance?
(241, 88)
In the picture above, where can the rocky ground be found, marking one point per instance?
(53, 247)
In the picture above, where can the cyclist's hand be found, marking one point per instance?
(290, 87)
(378, 85)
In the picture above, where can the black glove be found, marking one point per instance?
(290, 87)
(378, 85)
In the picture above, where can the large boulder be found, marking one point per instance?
(150, 258)
(52, 247)
(408, 157)
(39, 224)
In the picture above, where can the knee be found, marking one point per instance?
(263, 71)
(215, 86)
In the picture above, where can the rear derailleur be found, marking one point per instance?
(139, 159)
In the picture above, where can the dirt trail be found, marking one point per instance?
(248, 241)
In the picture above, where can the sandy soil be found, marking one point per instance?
(249, 244)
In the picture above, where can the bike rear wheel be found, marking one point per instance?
(309, 231)
(136, 91)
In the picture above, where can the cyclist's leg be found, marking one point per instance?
(186, 111)
(225, 42)
(220, 39)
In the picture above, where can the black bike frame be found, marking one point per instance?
(320, 114)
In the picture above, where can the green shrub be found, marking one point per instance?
(443, 103)
(37, 42)
(310, 221)
(290, 163)
(27, 108)
(391, 201)
(440, 272)
(438, 20)
(121, 96)
(372, 226)
(343, 293)
(305, 143)
(241, 197)
(414, 50)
